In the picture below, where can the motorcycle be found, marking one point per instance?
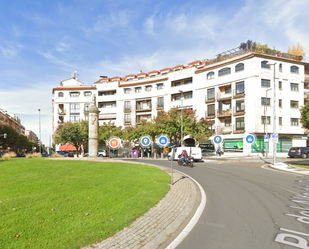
(188, 161)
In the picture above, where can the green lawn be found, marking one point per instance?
(69, 204)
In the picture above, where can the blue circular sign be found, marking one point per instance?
(250, 139)
(217, 139)
(145, 141)
(163, 140)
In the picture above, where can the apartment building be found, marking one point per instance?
(242, 92)
(12, 121)
(71, 101)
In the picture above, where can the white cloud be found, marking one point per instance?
(62, 47)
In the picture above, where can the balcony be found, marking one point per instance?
(211, 100)
(143, 108)
(224, 113)
(223, 96)
(224, 130)
(126, 109)
(160, 107)
(238, 94)
(238, 112)
(61, 111)
(210, 115)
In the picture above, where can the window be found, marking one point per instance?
(127, 118)
(210, 75)
(74, 94)
(228, 122)
(127, 90)
(176, 83)
(265, 101)
(188, 96)
(148, 88)
(177, 97)
(294, 104)
(227, 89)
(264, 64)
(294, 87)
(280, 102)
(74, 108)
(280, 67)
(265, 83)
(138, 89)
(280, 85)
(211, 110)
(60, 94)
(240, 87)
(265, 120)
(240, 106)
(188, 82)
(160, 102)
(210, 93)
(240, 67)
(294, 69)
(160, 86)
(224, 71)
(74, 118)
(240, 124)
(280, 120)
(294, 121)
(87, 94)
(127, 105)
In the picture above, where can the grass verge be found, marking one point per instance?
(70, 204)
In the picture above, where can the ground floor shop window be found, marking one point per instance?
(259, 146)
(233, 145)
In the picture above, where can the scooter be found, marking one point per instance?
(188, 161)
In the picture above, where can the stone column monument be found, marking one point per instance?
(93, 141)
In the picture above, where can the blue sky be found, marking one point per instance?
(43, 42)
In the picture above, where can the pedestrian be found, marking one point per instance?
(219, 151)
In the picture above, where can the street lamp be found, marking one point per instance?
(266, 122)
(40, 129)
(181, 92)
(274, 114)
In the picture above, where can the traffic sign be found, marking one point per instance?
(217, 139)
(162, 140)
(145, 141)
(250, 139)
(274, 137)
(266, 137)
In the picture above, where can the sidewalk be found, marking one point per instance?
(289, 168)
(160, 226)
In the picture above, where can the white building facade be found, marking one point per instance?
(70, 102)
(239, 93)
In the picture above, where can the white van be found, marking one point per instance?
(195, 152)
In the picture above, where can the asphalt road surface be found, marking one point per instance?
(248, 206)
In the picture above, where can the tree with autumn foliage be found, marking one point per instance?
(297, 50)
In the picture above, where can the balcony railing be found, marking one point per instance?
(209, 100)
(224, 113)
(61, 111)
(223, 95)
(225, 129)
(237, 94)
(143, 108)
(238, 112)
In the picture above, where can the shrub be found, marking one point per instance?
(33, 155)
(56, 155)
(8, 155)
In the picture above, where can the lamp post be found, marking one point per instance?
(181, 134)
(40, 129)
(274, 114)
(266, 122)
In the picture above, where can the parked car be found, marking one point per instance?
(102, 153)
(299, 152)
(62, 153)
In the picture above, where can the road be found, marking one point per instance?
(248, 206)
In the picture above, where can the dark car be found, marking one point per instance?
(299, 152)
(62, 153)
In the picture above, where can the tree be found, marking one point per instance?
(297, 50)
(74, 133)
(304, 112)
(108, 130)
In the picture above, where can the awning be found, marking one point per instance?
(68, 147)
